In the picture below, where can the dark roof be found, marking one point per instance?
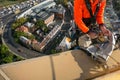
(44, 15)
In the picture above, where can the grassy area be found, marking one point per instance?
(6, 56)
(9, 2)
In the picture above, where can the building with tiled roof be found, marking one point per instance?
(22, 29)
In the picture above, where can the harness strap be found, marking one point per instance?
(93, 16)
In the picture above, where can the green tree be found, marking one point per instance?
(3, 49)
(21, 20)
(17, 58)
(15, 25)
(63, 2)
(40, 24)
(8, 59)
(5, 55)
(18, 23)
(31, 37)
(53, 51)
(17, 35)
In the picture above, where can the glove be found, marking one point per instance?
(104, 30)
(92, 35)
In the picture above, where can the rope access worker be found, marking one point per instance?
(88, 12)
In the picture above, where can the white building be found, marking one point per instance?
(65, 44)
(25, 40)
(29, 25)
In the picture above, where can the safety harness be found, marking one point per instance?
(93, 26)
(93, 16)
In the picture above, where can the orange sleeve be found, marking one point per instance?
(78, 16)
(100, 15)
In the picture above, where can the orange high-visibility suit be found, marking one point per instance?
(81, 11)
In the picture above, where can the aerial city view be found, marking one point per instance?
(59, 39)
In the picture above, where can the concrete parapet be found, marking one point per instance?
(70, 65)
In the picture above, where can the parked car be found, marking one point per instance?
(19, 50)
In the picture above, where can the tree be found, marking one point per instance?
(15, 25)
(40, 24)
(63, 2)
(8, 59)
(31, 37)
(17, 35)
(53, 51)
(3, 49)
(21, 20)
(18, 23)
(5, 55)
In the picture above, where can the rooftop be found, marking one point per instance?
(44, 15)
(70, 65)
(45, 4)
(58, 9)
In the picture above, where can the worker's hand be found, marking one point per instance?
(104, 30)
(92, 35)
